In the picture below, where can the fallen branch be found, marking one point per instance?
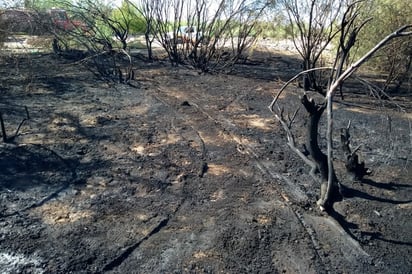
(126, 251)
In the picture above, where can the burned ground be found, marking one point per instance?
(190, 173)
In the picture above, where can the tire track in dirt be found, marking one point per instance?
(175, 122)
(145, 172)
(229, 126)
(287, 192)
(159, 223)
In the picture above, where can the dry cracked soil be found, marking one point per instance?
(186, 172)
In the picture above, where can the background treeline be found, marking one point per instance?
(225, 29)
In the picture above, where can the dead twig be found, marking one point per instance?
(22, 122)
(353, 166)
(3, 128)
(275, 99)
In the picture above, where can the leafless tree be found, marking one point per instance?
(322, 163)
(120, 26)
(215, 34)
(147, 10)
(313, 27)
(97, 44)
(3, 31)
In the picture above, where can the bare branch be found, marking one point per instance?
(398, 33)
(275, 99)
(329, 99)
(324, 163)
(292, 144)
(22, 122)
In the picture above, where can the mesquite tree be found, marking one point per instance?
(209, 35)
(312, 28)
(101, 42)
(146, 8)
(322, 167)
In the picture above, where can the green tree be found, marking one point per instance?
(395, 59)
(129, 18)
(42, 4)
(146, 10)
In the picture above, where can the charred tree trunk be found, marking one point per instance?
(315, 113)
(331, 189)
(149, 46)
(356, 169)
(310, 80)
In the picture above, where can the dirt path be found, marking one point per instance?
(186, 174)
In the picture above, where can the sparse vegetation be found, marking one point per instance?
(165, 158)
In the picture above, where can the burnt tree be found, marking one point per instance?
(322, 168)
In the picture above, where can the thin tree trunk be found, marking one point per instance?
(3, 129)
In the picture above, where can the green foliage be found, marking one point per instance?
(386, 17)
(395, 59)
(42, 4)
(274, 30)
(128, 16)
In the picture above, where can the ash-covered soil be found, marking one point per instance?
(190, 173)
